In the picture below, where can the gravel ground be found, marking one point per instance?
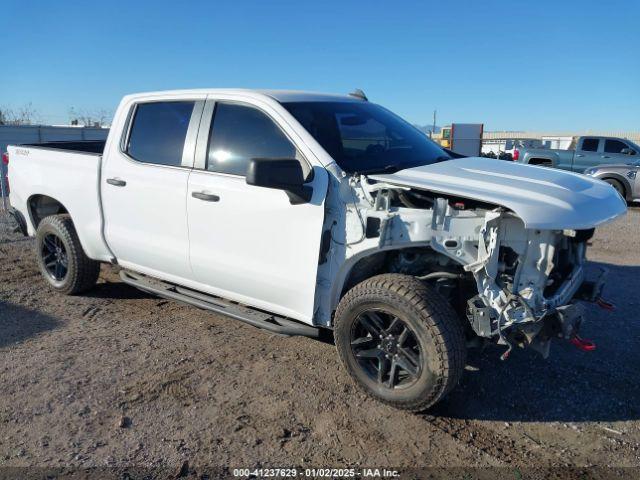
(118, 378)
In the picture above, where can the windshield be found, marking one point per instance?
(365, 138)
(634, 145)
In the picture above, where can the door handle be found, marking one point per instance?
(207, 197)
(605, 156)
(579, 155)
(116, 182)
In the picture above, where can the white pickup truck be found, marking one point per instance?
(303, 213)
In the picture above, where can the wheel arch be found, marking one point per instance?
(621, 179)
(86, 217)
(370, 263)
(40, 206)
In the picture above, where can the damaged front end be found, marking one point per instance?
(516, 286)
(528, 282)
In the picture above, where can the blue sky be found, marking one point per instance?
(542, 65)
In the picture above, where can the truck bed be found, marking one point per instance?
(557, 158)
(68, 172)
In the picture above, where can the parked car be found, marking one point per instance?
(589, 152)
(623, 177)
(504, 148)
(304, 213)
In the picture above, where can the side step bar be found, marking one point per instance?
(257, 318)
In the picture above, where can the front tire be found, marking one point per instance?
(618, 186)
(61, 259)
(400, 341)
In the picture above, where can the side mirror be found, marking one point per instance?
(281, 174)
(627, 151)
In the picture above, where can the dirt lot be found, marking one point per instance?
(119, 378)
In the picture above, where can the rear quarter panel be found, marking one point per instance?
(71, 178)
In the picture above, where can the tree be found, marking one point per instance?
(25, 115)
(95, 118)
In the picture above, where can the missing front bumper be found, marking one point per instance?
(562, 322)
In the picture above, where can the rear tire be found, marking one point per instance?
(61, 259)
(618, 186)
(370, 323)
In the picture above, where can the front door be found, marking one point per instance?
(144, 187)
(613, 149)
(248, 243)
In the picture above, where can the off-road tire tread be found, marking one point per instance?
(86, 271)
(438, 317)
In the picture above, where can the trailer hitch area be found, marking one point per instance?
(583, 344)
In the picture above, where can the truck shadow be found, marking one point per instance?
(569, 386)
(18, 323)
(117, 291)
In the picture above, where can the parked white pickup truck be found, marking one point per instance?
(301, 213)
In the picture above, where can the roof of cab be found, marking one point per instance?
(284, 96)
(281, 96)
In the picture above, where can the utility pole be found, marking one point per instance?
(433, 130)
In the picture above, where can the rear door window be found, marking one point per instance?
(590, 144)
(158, 132)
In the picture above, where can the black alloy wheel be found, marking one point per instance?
(54, 256)
(400, 341)
(386, 349)
(60, 257)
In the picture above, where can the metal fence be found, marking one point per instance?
(16, 134)
(633, 136)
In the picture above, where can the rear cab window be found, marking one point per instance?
(158, 131)
(590, 144)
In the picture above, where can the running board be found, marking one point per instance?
(257, 318)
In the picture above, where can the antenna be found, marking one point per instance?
(359, 94)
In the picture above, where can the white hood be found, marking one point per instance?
(542, 197)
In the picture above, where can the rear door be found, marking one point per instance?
(248, 243)
(144, 186)
(588, 154)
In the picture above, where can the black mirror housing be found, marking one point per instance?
(280, 174)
